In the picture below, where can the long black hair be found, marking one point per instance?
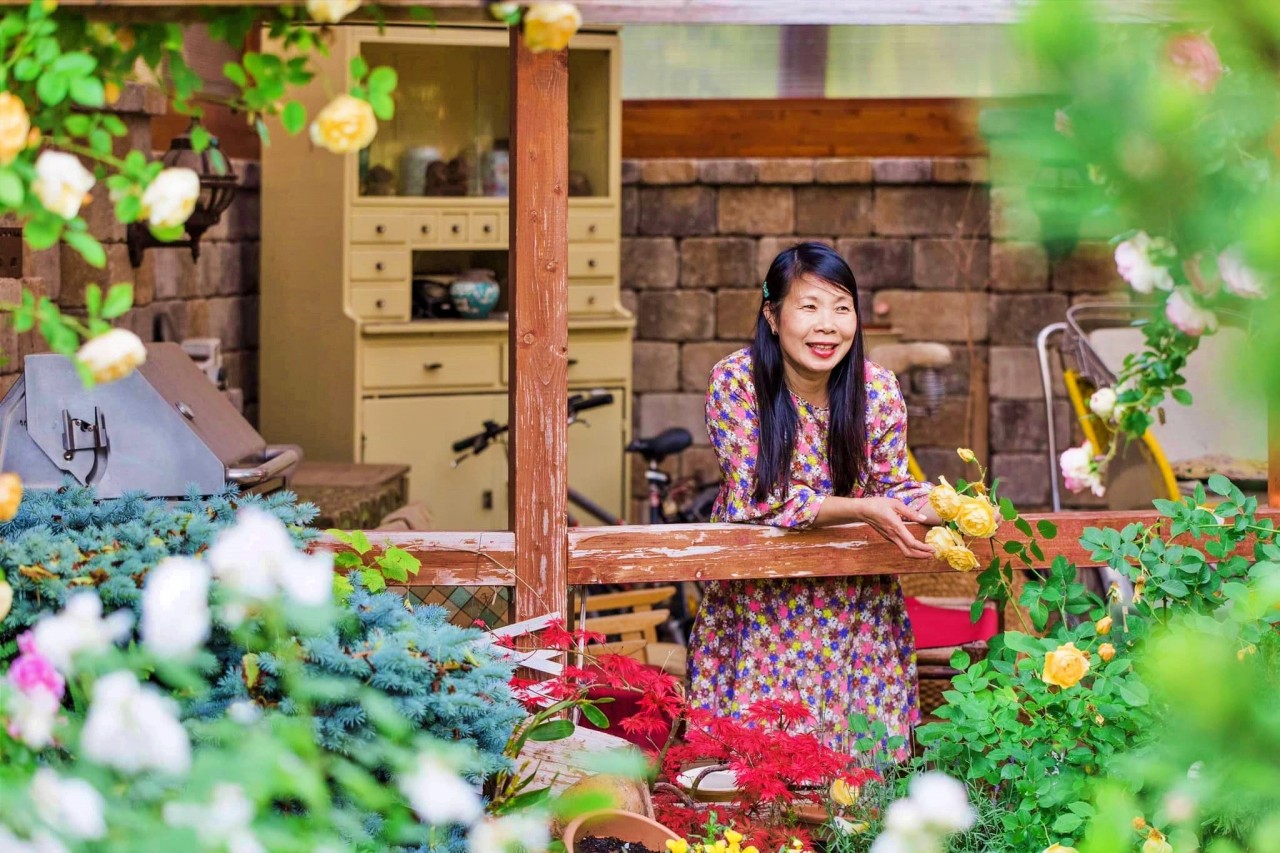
(846, 391)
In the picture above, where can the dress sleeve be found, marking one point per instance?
(887, 441)
(733, 424)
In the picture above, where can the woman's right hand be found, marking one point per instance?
(889, 517)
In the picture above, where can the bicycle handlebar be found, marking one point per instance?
(577, 403)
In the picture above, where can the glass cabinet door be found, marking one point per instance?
(450, 133)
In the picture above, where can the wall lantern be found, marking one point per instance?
(218, 185)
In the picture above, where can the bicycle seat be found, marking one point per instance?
(666, 443)
(902, 358)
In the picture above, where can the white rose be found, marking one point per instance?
(41, 842)
(258, 559)
(170, 199)
(71, 806)
(175, 607)
(331, 11)
(134, 728)
(1103, 403)
(61, 183)
(941, 802)
(112, 355)
(1238, 278)
(345, 125)
(79, 628)
(439, 795)
(529, 832)
(1080, 469)
(1190, 318)
(1134, 263)
(224, 823)
(32, 715)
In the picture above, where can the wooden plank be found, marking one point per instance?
(448, 559)
(632, 598)
(539, 326)
(726, 11)
(816, 127)
(672, 552)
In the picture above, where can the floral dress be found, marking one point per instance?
(841, 645)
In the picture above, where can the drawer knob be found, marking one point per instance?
(426, 229)
(573, 362)
(591, 263)
(378, 266)
(457, 229)
(591, 229)
(435, 365)
(381, 303)
(488, 229)
(380, 229)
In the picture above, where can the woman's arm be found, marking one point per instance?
(887, 515)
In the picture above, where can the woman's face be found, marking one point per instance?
(815, 325)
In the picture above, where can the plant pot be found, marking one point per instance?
(627, 826)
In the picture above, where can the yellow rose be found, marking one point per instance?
(1155, 843)
(1065, 666)
(6, 599)
(1058, 848)
(15, 127)
(944, 500)
(331, 11)
(345, 125)
(112, 355)
(961, 559)
(10, 496)
(977, 517)
(1103, 626)
(549, 26)
(942, 539)
(841, 793)
(1106, 651)
(967, 455)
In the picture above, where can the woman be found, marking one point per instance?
(808, 433)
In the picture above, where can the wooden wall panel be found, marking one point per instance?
(915, 127)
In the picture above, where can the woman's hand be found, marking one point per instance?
(887, 516)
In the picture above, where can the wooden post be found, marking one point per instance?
(539, 327)
(803, 61)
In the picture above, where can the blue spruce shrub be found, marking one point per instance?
(431, 671)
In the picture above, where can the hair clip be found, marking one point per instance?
(766, 289)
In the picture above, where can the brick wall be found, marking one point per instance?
(214, 297)
(932, 248)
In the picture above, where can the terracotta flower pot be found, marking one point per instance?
(627, 826)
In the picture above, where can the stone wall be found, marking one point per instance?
(935, 260)
(175, 297)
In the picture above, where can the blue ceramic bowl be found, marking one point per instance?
(474, 299)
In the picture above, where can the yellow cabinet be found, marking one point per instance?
(356, 361)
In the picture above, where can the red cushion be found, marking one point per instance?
(939, 627)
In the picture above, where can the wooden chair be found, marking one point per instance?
(629, 622)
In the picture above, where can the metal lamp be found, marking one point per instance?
(218, 185)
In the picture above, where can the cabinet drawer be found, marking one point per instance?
(591, 298)
(590, 224)
(453, 228)
(380, 303)
(430, 365)
(424, 228)
(589, 260)
(484, 228)
(387, 265)
(597, 361)
(377, 228)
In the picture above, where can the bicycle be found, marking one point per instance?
(671, 500)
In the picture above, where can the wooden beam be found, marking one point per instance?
(539, 328)
(866, 12)
(802, 127)
(645, 553)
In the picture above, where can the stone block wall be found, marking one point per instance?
(175, 297)
(937, 256)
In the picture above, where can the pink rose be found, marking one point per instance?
(1183, 312)
(31, 671)
(1195, 60)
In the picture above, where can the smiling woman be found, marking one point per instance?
(808, 433)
